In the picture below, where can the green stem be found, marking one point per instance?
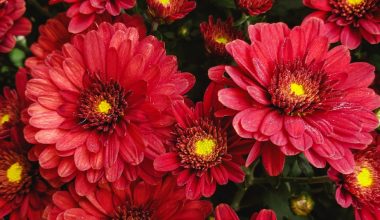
(238, 197)
(242, 20)
(307, 180)
(154, 26)
(249, 181)
(43, 11)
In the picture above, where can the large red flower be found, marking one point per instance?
(361, 189)
(349, 20)
(206, 150)
(291, 90)
(23, 193)
(12, 23)
(54, 34)
(225, 212)
(83, 13)
(169, 10)
(12, 103)
(139, 201)
(102, 106)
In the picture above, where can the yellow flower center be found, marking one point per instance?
(5, 118)
(221, 40)
(104, 107)
(164, 2)
(297, 89)
(364, 177)
(14, 172)
(205, 147)
(355, 2)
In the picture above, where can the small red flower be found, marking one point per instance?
(54, 34)
(348, 20)
(206, 150)
(12, 23)
(12, 103)
(102, 107)
(167, 11)
(139, 201)
(217, 35)
(225, 212)
(290, 89)
(254, 7)
(361, 188)
(23, 193)
(83, 13)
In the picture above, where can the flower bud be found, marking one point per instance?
(302, 205)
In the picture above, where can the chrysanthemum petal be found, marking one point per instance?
(167, 162)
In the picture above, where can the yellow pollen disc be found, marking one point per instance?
(355, 2)
(4, 119)
(221, 40)
(297, 89)
(104, 107)
(204, 147)
(14, 172)
(364, 177)
(164, 2)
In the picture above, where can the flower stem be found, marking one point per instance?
(307, 180)
(154, 26)
(243, 19)
(249, 181)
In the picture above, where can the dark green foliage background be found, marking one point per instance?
(192, 57)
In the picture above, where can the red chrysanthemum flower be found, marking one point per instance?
(217, 35)
(23, 193)
(83, 13)
(255, 7)
(102, 106)
(167, 11)
(12, 103)
(12, 23)
(349, 20)
(140, 201)
(361, 189)
(225, 212)
(206, 150)
(54, 34)
(291, 90)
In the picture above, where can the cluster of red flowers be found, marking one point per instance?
(99, 126)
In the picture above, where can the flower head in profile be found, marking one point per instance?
(361, 188)
(12, 104)
(206, 152)
(255, 7)
(167, 11)
(12, 23)
(23, 193)
(140, 201)
(225, 212)
(348, 21)
(102, 107)
(83, 13)
(217, 35)
(294, 94)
